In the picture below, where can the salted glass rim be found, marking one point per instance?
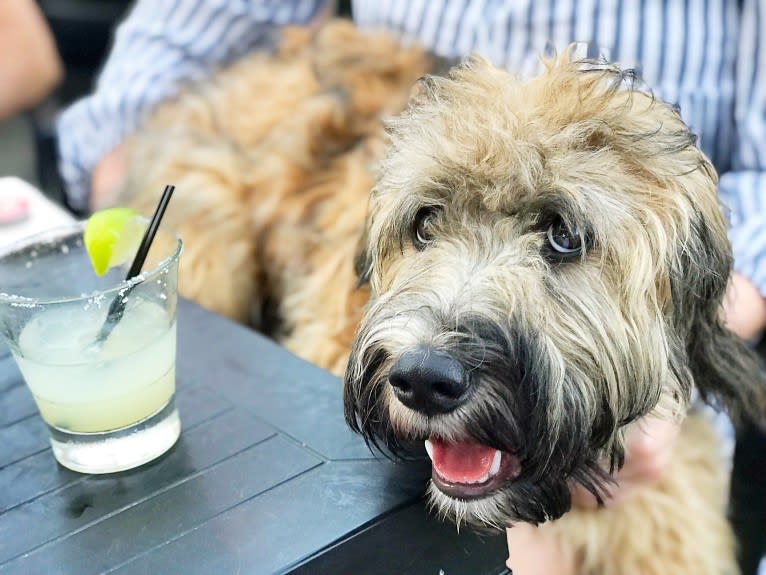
(59, 232)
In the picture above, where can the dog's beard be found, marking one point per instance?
(542, 448)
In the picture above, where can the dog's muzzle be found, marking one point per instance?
(429, 381)
(435, 383)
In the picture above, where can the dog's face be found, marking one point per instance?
(547, 261)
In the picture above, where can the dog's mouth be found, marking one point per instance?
(469, 470)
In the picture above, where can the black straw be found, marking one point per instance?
(151, 231)
(117, 308)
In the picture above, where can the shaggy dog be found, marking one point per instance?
(539, 265)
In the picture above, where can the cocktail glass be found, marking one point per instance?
(108, 404)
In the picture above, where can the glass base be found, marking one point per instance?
(120, 449)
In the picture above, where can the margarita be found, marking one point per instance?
(82, 387)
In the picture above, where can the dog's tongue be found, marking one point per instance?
(465, 462)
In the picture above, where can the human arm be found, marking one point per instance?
(744, 307)
(743, 188)
(161, 46)
(30, 66)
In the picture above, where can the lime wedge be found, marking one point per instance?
(112, 237)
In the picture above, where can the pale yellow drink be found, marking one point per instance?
(84, 388)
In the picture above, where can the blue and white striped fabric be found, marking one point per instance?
(707, 56)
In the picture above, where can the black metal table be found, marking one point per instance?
(266, 478)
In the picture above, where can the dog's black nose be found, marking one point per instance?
(429, 381)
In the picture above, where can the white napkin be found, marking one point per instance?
(43, 214)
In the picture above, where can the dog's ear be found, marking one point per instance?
(725, 370)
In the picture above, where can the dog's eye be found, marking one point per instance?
(564, 240)
(423, 230)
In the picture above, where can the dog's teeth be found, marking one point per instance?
(483, 479)
(430, 449)
(495, 468)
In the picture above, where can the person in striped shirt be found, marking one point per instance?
(706, 56)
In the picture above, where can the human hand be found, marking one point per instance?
(535, 551)
(108, 178)
(744, 308)
(648, 451)
(649, 446)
